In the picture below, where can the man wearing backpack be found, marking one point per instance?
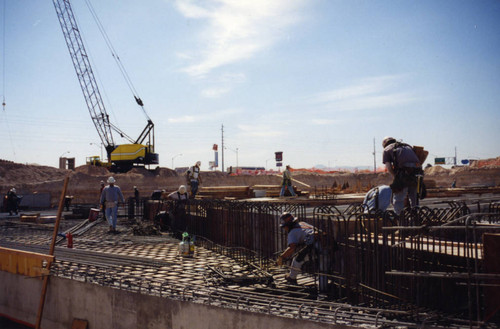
(301, 243)
(404, 165)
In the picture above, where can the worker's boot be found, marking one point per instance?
(290, 280)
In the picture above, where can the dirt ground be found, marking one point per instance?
(84, 181)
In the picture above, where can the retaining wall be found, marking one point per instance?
(105, 307)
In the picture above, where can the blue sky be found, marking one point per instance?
(318, 80)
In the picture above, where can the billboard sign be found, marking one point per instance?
(440, 161)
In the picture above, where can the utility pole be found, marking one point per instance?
(374, 157)
(222, 130)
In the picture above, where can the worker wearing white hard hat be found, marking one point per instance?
(193, 178)
(177, 218)
(180, 194)
(110, 197)
(12, 202)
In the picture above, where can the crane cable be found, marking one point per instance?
(116, 58)
(3, 81)
(3, 58)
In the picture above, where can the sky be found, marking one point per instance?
(323, 81)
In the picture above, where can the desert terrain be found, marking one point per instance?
(84, 181)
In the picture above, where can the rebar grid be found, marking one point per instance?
(274, 302)
(362, 252)
(375, 260)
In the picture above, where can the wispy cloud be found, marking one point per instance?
(215, 116)
(237, 30)
(183, 119)
(369, 93)
(214, 92)
(322, 122)
(259, 131)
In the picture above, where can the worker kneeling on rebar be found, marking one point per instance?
(300, 241)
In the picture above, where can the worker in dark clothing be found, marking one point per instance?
(404, 165)
(12, 201)
(136, 196)
(67, 201)
(103, 206)
(178, 214)
(286, 183)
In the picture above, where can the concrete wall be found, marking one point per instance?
(38, 200)
(105, 307)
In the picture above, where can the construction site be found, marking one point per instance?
(216, 259)
(435, 266)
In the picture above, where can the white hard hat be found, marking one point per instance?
(111, 180)
(182, 189)
(388, 140)
(287, 219)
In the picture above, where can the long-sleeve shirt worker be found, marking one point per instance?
(112, 193)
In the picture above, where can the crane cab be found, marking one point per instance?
(125, 156)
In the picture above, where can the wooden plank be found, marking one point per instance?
(24, 263)
(222, 192)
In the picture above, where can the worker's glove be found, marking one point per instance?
(279, 261)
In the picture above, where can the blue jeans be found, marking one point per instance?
(398, 199)
(194, 187)
(111, 216)
(290, 188)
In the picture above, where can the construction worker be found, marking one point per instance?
(180, 195)
(404, 165)
(103, 207)
(286, 182)
(136, 196)
(300, 241)
(178, 214)
(110, 197)
(67, 201)
(12, 201)
(193, 178)
(378, 198)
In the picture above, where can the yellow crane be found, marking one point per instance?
(123, 157)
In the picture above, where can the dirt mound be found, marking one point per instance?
(165, 172)
(84, 182)
(494, 162)
(92, 170)
(12, 173)
(436, 170)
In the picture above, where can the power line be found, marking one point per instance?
(115, 56)
(3, 58)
